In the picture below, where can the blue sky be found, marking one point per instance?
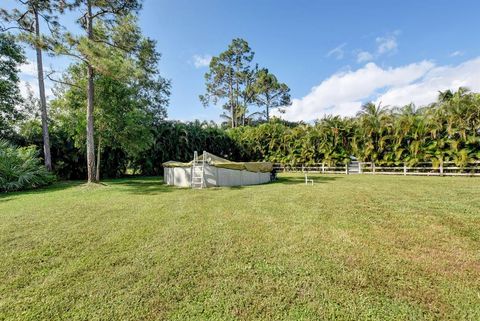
(334, 55)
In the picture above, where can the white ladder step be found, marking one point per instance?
(198, 168)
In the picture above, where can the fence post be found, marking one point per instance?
(404, 169)
(346, 169)
(441, 168)
(323, 168)
(359, 167)
(373, 168)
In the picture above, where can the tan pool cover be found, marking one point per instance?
(216, 161)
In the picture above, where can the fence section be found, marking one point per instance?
(368, 168)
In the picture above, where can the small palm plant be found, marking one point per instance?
(21, 168)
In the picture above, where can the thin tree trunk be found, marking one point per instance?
(90, 94)
(267, 105)
(232, 112)
(237, 94)
(43, 100)
(98, 157)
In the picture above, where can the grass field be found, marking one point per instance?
(347, 248)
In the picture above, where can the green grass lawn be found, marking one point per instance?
(347, 248)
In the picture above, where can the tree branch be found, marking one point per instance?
(109, 44)
(14, 27)
(101, 12)
(65, 53)
(22, 16)
(48, 75)
(47, 20)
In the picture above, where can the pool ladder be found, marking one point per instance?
(198, 169)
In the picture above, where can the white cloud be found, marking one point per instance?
(437, 79)
(386, 44)
(29, 69)
(364, 56)
(343, 93)
(200, 61)
(28, 75)
(337, 52)
(34, 88)
(23, 85)
(457, 53)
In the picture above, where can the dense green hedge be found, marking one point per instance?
(178, 141)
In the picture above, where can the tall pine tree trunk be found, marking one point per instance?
(232, 111)
(267, 104)
(98, 157)
(267, 107)
(43, 100)
(90, 94)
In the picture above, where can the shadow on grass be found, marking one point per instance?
(143, 186)
(57, 186)
(300, 179)
(282, 180)
(154, 185)
(139, 186)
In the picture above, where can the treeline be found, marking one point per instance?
(447, 130)
(109, 105)
(111, 93)
(107, 116)
(167, 140)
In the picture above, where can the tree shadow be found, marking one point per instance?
(4, 199)
(156, 185)
(288, 180)
(136, 185)
(56, 186)
(300, 179)
(143, 185)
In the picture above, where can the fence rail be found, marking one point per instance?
(368, 168)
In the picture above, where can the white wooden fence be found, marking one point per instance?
(367, 168)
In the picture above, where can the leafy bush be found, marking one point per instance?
(21, 168)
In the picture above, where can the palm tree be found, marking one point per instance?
(373, 122)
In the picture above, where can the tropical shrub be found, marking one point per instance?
(178, 141)
(21, 168)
